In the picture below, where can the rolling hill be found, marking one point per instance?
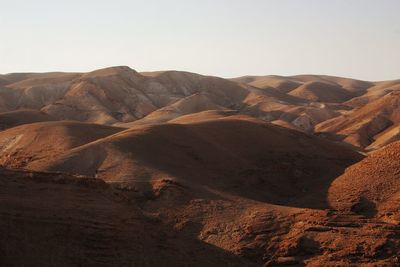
(234, 153)
(116, 167)
(21, 145)
(362, 126)
(371, 187)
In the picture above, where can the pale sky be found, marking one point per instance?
(227, 38)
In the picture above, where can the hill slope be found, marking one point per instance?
(363, 126)
(25, 116)
(372, 186)
(21, 145)
(239, 155)
(62, 220)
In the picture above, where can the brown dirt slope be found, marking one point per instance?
(203, 116)
(361, 126)
(372, 186)
(50, 219)
(120, 94)
(3, 81)
(34, 91)
(283, 84)
(375, 92)
(289, 83)
(14, 118)
(62, 220)
(322, 92)
(241, 155)
(191, 104)
(390, 135)
(26, 143)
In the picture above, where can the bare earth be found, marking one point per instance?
(120, 168)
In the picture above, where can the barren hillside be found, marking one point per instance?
(116, 167)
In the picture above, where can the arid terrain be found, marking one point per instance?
(121, 168)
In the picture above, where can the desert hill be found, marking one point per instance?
(101, 224)
(34, 91)
(203, 116)
(362, 126)
(234, 153)
(375, 92)
(282, 84)
(321, 92)
(117, 167)
(325, 97)
(357, 112)
(21, 145)
(289, 83)
(388, 136)
(189, 105)
(121, 95)
(59, 220)
(22, 116)
(371, 186)
(3, 81)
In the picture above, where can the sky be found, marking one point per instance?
(227, 38)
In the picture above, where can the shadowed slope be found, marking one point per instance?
(375, 92)
(3, 81)
(372, 186)
(203, 116)
(26, 143)
(188, 105)
(238, 155)
(360, 127)
(19, 117)
(289, 83)
(283, 84)
(120, 94)
(322, 92)
(62, 220)
(34, 91)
